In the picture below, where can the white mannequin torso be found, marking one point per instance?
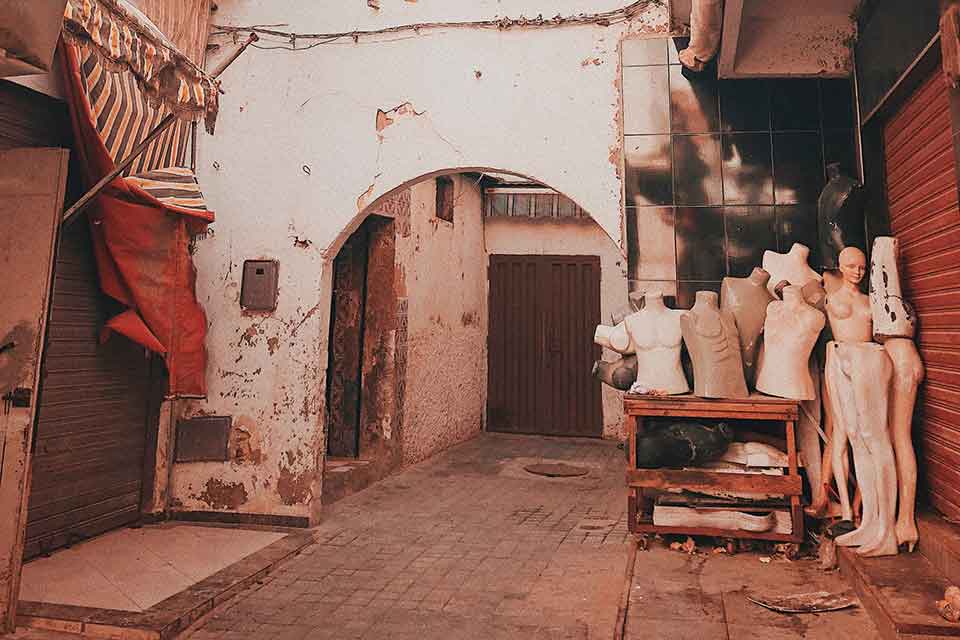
(655, 332)
(790, 332)
(791, 266)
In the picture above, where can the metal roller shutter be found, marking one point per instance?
(88, 461)
(921, 183)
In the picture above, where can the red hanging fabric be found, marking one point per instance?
(142, 251)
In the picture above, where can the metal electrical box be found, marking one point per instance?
(203, 438)
(258, 291)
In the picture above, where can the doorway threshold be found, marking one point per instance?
(149, 583)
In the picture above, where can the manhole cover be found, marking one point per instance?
(556, 470)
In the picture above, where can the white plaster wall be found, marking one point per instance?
(445, 274)
(543, 236)
(297, 157)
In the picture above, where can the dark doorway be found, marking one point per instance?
(543, 311)
(362, 332)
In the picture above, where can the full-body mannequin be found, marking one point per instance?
(655, 334)
(858, 374)
(791, 267)
(790, 331)
(711, 338)
(747, 299)
(894, 326)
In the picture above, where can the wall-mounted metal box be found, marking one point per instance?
(258, 291)
(203, 439)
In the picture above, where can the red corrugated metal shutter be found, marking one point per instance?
(923, 198)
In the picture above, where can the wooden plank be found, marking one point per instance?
(711, 480)
(720, 415)
(755, 407)
(717, 533)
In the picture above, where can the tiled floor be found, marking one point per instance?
(133, 569)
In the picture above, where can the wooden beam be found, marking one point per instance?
(732, 19)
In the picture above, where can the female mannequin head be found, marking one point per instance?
(853, 266)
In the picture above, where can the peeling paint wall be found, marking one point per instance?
(306, 140)
(570, 236)
(445, 279)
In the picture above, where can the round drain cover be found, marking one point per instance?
(556, 470)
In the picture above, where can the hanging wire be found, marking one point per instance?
(288, 40)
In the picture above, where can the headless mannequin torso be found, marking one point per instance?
(790, 332)
(714, 345)
(656, 337)
(791, 267)
(747, 299)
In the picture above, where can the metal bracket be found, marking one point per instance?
(21, 397)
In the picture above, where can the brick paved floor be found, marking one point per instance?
(467, 545)
(470, 546)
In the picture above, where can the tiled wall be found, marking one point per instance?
(719, 171)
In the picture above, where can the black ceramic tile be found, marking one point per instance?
(750, 232)
(645, 51)
(838, 146)
(701, 253)
(696, 170)
(747, 168)
(687, 291)
(745, 105)
(836, 99)
(798, 224)
(795, 104)
(693, 101)
(797, 168)
(649, 170)
(651, 252)
(646, 100)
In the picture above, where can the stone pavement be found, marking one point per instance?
(468, 545)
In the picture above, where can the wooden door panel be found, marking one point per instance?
(32, 184)
(543, 310)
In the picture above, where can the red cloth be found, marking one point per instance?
(142, 252)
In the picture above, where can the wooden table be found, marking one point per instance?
(757, 407)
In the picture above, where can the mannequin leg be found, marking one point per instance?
(871, 373)
(907, 374)
(866, 530)
(820, 501)
(841, 401)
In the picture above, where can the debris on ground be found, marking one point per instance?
(828, 554)
(813, 602)
(688, 546)
(765, 559)
(949, 607)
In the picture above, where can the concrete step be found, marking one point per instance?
(900, 593)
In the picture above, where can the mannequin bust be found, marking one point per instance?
(858, 375)
(655, 334)
(790, 331)
(714, 345)
(791, 267)
(747, 299)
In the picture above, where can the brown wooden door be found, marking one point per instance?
(543, 311)
(346, 346)
(32, 183)
(921, 183)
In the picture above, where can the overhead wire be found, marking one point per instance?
(291, 38)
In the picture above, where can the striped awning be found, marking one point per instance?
(173, 186)
(124, 38)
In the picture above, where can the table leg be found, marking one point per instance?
(796, 509)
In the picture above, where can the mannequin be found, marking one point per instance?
(840, 216)
(714, 345)
(747, 299)
(894, 326)
(858, 374)
(619, 374)
(653, 334)
(790, 331)
(791, 267)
